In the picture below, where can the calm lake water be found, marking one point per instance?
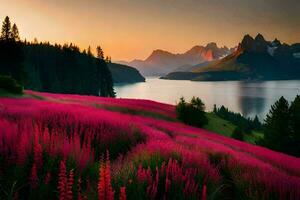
(248, 98)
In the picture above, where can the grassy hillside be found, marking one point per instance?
(219, 125)
(4, 93)
(226, 128)
(84, 147)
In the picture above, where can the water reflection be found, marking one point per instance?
(252, 98)
(248, 98)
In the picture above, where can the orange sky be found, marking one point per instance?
(129, 29)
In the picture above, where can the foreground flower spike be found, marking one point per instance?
(122, 193)
(37, 150)
(62, 181)
(109, 189)
(33, 179)
(204, 192)
(69, 192)
(105, 191)
(101, 184)
(21, 150)
(47, 178)
(79, 192)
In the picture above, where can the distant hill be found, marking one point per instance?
(254, 59)
(125, 74)
(161, 62)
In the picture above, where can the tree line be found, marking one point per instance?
(281, 128)
(245, 125)
(53, 68)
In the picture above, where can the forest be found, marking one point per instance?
(53, 68)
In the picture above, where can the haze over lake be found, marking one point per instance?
(248, 98)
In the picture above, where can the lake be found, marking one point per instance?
(248, 98)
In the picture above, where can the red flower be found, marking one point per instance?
(203, 193)
(33, 179)
(122, 193)
(79, 195)
(37, 149)
(69, 192)
(105, 191)
(62, 180)
(47, 178)
(101, 184)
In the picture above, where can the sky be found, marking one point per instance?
(132, 29)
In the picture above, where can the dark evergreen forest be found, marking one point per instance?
(53, 68)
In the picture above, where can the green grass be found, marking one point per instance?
(253, 137)
(219, 125)
(226, 128)
(4, 93)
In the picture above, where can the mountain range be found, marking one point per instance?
(254, 59)
(162, 62)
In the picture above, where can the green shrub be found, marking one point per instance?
(10, 85)
(238, 134)
(191, 113)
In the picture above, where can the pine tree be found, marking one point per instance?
(100, 53)
(215, 110)
(108, 59)
(6, 33)
(295, 126)
(277, 129)
(89, 52)
(35, 41)
(15, 33)
(256, 123)
(11, 53)
(197, 103)
(106, 80)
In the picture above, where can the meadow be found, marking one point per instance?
(84, 147)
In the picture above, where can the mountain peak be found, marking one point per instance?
(195, 50)
(258, 45)
(276, 43)
(247, 43)
(212, 46)
(159, 51)
(261, 45)
(260, 38)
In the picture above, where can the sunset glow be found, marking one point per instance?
(132, 29)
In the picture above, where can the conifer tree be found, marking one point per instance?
(6, 33)
(15, 33)
(295, 126)
(277, 129)
(100, 53)
(11, 53)
(89, 52)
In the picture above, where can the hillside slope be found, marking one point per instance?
(125, 74)
(133, 146)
